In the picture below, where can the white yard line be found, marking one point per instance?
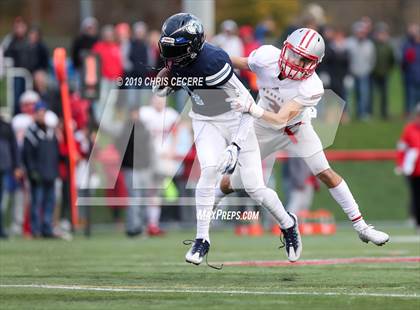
(201, 291)
(406, 239)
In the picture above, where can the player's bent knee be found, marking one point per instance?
(208, 178)
(263, 196)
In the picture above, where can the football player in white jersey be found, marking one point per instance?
(289, 89)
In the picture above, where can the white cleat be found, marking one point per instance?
(197, 252)
(292, 240)
(375, 236)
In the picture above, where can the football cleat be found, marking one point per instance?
(292, 240)
(375, 236)
(195, 255)
(154, 231)
(198, 251)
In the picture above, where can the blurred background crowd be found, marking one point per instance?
(360, 60)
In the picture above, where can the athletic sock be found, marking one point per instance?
(204, 208)
(342, 194)
(153, 215)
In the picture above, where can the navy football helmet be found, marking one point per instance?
(181, 40)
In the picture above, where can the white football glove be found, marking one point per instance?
(229, 159)
(245, 105)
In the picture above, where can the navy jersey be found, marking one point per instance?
(214, 66)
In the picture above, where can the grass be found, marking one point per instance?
(380, 193)
(375, 134)
(113, 261)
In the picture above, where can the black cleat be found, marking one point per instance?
(292, 240)
(195, 255)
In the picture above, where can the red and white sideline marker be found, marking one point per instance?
(334, 261)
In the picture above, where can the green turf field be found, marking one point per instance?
(110, 271)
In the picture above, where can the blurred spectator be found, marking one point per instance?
(337, 60)
(264, 29)
(16, 44)
(80, 117)
(312, 17)
(139, 51)
(10, 161)
(137, 168)
(40, 144)
(154, 54)
(111, 66)
(48, 93)
(109, 52)
(334, 68)
(63, 173)
(362, 61)
(84, 41)
(301, 185)
(38, 59)
(369, 25)
(160, 120)
(139, 57)
(384, 63)
(325, 67)
(123, 38)
(16, 47)
(85, 179)
(408, 161)
(183, 145)
(246, 33)
(228, 40)
(20, 123)
(411, 67)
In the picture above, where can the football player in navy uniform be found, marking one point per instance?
(222, 136)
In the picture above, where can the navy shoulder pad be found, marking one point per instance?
(218, 67)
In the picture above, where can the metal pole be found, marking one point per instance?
(204, 10)
(86, 9)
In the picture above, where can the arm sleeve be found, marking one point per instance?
(234, 87)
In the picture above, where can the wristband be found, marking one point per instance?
(237, 146)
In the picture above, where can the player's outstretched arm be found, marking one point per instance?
(284, 115)
(240, 63)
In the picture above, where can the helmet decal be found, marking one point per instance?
(182, 39)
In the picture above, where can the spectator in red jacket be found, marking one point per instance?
(112, 68)
(408, 161)
(109, 53)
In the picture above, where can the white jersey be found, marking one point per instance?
(273, 92)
